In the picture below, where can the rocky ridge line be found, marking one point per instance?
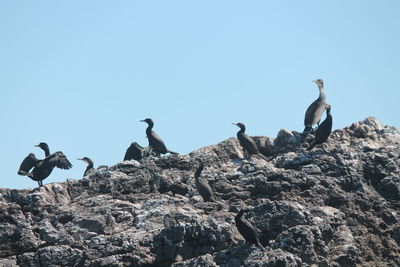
(335, 206)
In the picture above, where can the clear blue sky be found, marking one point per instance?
(80, 75)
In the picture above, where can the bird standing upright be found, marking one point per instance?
(247, 230)
(247, 142)
(202, 186)
(89, 168)
(155, 142)
(316, 109)
(324, 130)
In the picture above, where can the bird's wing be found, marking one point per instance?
(28, 163)
(59, 160)
(158, 142)
(249, 143)
(134, 149)
(308, 118)
(251, 227)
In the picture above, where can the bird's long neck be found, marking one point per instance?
(46, 151)
(199, 170)
(90, 165)
(328, 114)
(149, 127)
(322, 94)
(239, 215)
(242, 129)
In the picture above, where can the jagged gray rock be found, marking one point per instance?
(335, 206)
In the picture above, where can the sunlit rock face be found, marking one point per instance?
(337, 205)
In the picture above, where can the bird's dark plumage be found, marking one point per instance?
(246, 229)
(89, 168)
(134, 151)
(28, 163)
(202, 186)
(247, 142)
(155, 142)
(316, 109)
(43, 168)
(323, 131)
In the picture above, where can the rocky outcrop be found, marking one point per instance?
(335, 206)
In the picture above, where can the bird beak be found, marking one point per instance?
(37, 146)
(142, 120)
(234, 123)
(314, 81)
(79, 159)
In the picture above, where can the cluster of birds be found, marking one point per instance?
(38, 170)
(43, 168)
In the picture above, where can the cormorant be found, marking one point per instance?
(155, 141)
(324, 130)
(202, 186)
(246, 229)
(247, 142)
(89, 167)
(43, 168)
(316, 109)
(134, 152)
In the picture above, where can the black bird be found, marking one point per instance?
(202, 186)
(43, 168)
(247, 142)
(134, 151)
(155, 141)
(323, 131)
(246, 229)
(316, 109)
(89, 168)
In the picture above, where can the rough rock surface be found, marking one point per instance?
(335, 206)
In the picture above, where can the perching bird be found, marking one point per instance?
(246, 229)
(134, 151)
(316, 109)
(247, 142)
(155, 141)
(323, 131)
(43, 168)
(89, 168)
(202, 186)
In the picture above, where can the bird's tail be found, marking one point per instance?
(172, 152)
(312, 145)
(264, 157)
(23, 173)
(261, 246)
(220, 203)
